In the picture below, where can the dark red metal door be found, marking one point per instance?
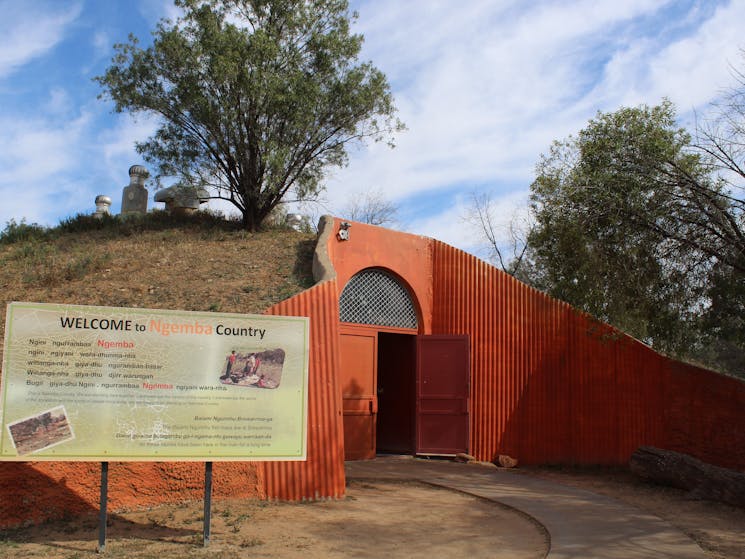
(442, 384)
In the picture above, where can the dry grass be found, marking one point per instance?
(192, 268)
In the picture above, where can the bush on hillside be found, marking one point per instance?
(15, 232)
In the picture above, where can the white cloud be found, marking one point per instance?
(154, 10)
(34, 151)
(59, 101)
(35, 165)
(484, 88)
(694, 70)
(22, 204)
(49, 170)
(118, 142)
(480, 83)
(30, 30)
(101, 45)
(101, 42)
(691, 71)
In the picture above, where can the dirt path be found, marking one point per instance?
(376, 519)
(717, 528)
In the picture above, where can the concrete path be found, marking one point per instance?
(580, 523)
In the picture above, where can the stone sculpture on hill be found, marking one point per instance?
(134, 195)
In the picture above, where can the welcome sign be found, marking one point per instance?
(105, 383)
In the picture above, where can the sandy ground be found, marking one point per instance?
(377, 519)
(381, 519)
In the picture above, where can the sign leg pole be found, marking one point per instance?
(103, 506)
(207, 501)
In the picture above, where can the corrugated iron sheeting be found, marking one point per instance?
(322, 475)
(705, 415)
(551, 384)
(548, 384)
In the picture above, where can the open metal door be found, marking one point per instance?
(358, 352)
(442, 386)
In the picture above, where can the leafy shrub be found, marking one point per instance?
(16, 232)
(87, 222)
(157, 220)
(110, 226)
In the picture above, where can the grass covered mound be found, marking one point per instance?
(199, 263)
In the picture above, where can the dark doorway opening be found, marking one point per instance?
(396, 393)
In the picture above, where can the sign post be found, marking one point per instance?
(207, 501)
(103, 503)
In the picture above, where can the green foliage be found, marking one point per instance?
(723, 321)
(85, 222)
(593, 199)
(159, 220)
(115, 226)
(15, 232)
(257, 98)
(633, 226)
(108, 226)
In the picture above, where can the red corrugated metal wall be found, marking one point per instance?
(552, 385)
(548, 384)
(322, 475)
(704, 415)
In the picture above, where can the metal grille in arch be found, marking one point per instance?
(374, 297)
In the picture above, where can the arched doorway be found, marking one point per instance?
(395, 398)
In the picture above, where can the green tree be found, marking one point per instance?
(723, 321)
(630, 222)
(256, 98)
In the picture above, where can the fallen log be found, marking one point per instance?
(702, 480)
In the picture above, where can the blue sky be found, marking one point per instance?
(483, 86)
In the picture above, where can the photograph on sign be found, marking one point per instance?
(41, 431)
(107, 383)
(257, 369)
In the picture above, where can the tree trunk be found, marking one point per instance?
(249, 222)
(703, 481)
